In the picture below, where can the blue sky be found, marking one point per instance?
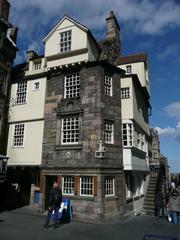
(151, 26)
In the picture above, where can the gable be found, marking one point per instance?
(64, 23)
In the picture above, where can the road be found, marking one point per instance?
(23, 224)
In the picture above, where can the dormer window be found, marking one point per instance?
(128, 69)
(65, 41)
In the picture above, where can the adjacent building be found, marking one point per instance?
(79, 114)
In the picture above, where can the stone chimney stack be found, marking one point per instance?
(4, 10)
(113, 30)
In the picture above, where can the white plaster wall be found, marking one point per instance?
(127, 103)
(127, 159)
(31, 152)
(34, 106)
(139, 69)
(79, 38)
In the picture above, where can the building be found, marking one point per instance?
(67, 115)
(8, 51)
(135, 95)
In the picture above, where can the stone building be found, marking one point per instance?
(8, 51)
(66, 122)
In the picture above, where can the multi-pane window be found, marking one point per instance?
(109, 186)
(109, 132)
(86, 186)
(36, 86)
(21, 93)
(70, 130)
(108, 85)
(72, 85)
(127, 130)
(125, 92)
(65, 41)
(68, 185)
(128, 68)
(18, 138)
(2, 81)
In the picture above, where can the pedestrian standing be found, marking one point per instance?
(174, 206)
(159, 204)
(55, 200)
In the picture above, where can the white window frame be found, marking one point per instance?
(86, 186)
(109, 186)
(68, 185)
(65, 41)
(127, 134)
(18, 134)
(109, 132)
(108, 85)
(72, 85)
(70, 130)
(125, 92)
(128, 68)
(35, 86)
(21, 94)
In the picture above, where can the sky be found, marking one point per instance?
(151, 26)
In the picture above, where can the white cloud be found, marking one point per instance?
(173, 110)
(166, 131)
(170, 132)
(36, 18)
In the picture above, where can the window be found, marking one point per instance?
(108, 85)
(65, 41)
(70, 130)
(21, 93)
(18, 138)
(72, 85)
(109, 186)
(36, 86)
(128, 186)
(125, 93)
(127, 129)
(86, 186)
(109, 132)
(129, 69)
(68, 185)
(2, 81)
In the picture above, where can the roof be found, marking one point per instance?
(140, 57)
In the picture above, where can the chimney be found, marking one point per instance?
(30, 54)
(112, 26)
(4, 10)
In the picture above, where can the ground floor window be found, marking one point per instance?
(109, 186)
(68, 185)
(128, 186)
(86, 186)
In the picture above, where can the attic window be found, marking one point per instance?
(65, 41)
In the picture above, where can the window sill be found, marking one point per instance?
(69, 147)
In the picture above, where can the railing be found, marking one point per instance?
(37, 66)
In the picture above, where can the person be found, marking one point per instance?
(55, 200)
(174, 206)
(159, 204)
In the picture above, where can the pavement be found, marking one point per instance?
(25, 224)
